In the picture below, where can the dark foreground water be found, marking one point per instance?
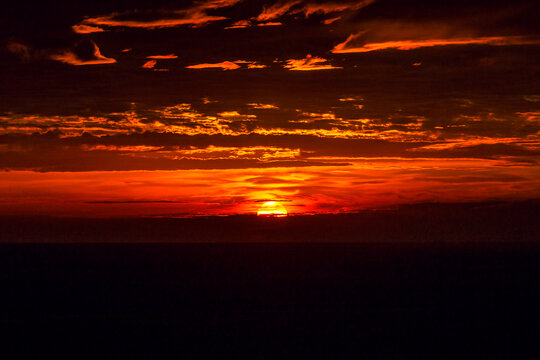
(271, 301)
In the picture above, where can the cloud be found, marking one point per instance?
(351, 46)
(86, 29)
(229, 65)
(239, 24)
(250, 64)
(85, 53)
(149, 64)
(230, 190)
(331, 20)
(532, 98)
(235, 115)
(255, 65)
(309, 8)
(330, 7)
(270, 23)
(225, 65)
(276, 10)
(401, 35)
(162, 57)
(351, 99)
(152, 63)
(262, 106)
(308, 64)
(196, 15)
(23, 51)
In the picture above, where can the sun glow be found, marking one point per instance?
(272, 209)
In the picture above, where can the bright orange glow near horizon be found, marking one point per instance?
(368, 184)
(272, 209)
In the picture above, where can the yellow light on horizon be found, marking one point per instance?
(272, 209)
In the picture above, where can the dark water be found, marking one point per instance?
(271, 301)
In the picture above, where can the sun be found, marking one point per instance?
(272, 209)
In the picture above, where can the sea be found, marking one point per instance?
(331, 300)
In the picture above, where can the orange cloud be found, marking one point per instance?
(111, 21)
(229, 65)
(239, 24)
(254, 65)
(235, 115)
(292, 7)
(162, 57)
(331, 20)
(353, 43)
(250, 64)
(276, 10)
(330, 7)
(308, 64)
(270, 23)
(263, 106)
(92, 56)
(362, 185)
(225, 65)
(351, 98)
(86, 29)
(149, 64)
(195, 16)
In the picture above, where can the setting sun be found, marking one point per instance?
(273, 209)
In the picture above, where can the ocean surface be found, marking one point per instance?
(271, 301)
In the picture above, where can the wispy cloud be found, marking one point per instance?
(225, 65)
(331, 20)
(310, 63)
(276, 10)
(229, 65)
(270, 23)
(22, 50)
(149, 64)
(196, 15)
(262, 106)
(239, 24)
(86, 29)
(86, 53)
(308, 8)
(162, 57)
(331, 7)
(355, 44)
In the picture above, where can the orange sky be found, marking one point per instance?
(211, 107)
(371, 184)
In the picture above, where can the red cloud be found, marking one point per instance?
(278, 9)
(225, 65)
(162, 57)
(354, 43)
(309, 63)
(239, 24)
(229, 65)
(196, 16)
(86, 29)
(330, 7)
(84, 54)
(292, 7)
(270, 23)
(149, 64)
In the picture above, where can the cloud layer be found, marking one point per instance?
(209, 107)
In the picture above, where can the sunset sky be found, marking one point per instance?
(212, 107)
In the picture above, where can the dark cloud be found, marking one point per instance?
(86, 52)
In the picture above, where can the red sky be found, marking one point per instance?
(211, 107)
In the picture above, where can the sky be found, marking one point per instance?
(213, 107)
